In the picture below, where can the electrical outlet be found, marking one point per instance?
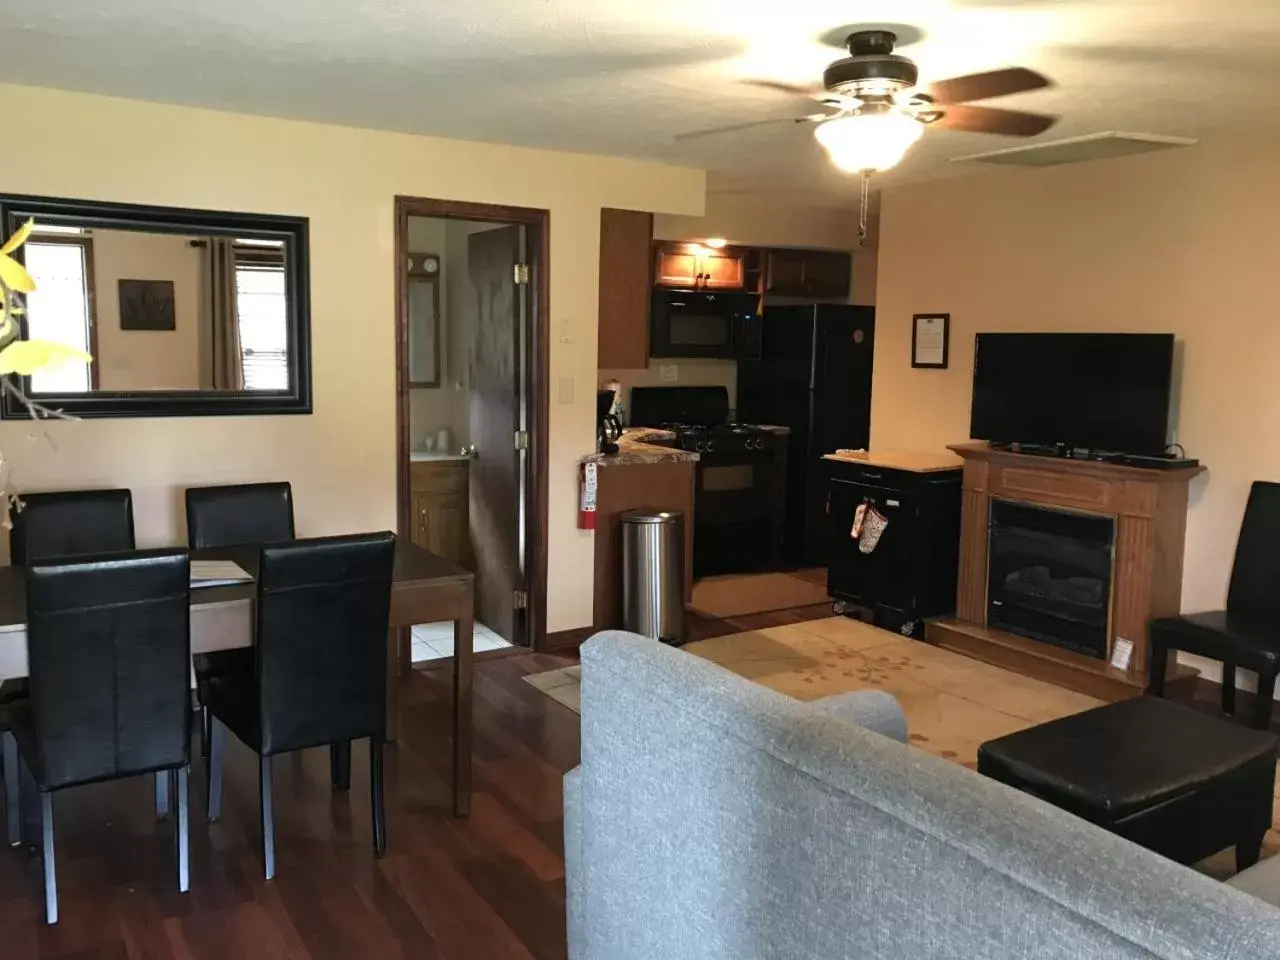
(565, 391)
(668, 373)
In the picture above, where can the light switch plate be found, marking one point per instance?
(565, 390)
(668, 373)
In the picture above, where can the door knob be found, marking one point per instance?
(470, 451)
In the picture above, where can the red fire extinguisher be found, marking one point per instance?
(587, 499)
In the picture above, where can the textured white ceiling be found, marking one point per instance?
(623, 76)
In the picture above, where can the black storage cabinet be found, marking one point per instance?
(911, 574)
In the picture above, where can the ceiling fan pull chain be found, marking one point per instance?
(862, 210)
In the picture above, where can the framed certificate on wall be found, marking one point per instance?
(930, 339)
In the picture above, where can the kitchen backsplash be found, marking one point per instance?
(688, 373)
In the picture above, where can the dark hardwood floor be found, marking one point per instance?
(491, 886)
(487, 888)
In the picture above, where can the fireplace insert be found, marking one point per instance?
(1049, 575)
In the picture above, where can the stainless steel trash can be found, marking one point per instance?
(653, 574)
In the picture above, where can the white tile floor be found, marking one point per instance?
(433, 641)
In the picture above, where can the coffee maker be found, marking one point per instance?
(608, 429)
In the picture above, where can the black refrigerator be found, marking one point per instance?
(814, 376)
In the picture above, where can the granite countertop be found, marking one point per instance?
(643, 445)
(911, 460)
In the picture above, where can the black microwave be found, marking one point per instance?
(701, 323)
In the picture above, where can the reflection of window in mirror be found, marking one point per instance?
(263, 312)
(60, 309)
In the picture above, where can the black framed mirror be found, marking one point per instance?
(186, 312)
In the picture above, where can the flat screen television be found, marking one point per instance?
(1100, 391)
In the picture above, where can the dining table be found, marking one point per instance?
(425, 588)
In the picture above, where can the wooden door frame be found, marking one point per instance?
(537, 387)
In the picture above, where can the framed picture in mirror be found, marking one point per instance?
(185, 312)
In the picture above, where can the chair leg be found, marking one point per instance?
(268, 818)
(340, 764)
(1228, 688)
(206, 733)
(50, 875)
(180, 795)
(1158, 661)
(213, 770)
(1265, 699)
(377, 796)
(162, 794)
(1248, 851)
(13, 812)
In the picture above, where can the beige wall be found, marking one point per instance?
(1181, 242)
(146, 359)
(341, 460)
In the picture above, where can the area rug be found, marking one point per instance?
(739, 595)
(953, 703)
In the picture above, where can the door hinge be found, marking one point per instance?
(521, 600)
(521, 273)
(522, 439)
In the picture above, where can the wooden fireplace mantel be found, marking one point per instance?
(1150, 510)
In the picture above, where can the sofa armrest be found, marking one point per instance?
(573, 866)
(872, 709)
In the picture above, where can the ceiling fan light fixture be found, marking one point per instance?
(868, 142)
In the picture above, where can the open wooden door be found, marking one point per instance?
(498, 422)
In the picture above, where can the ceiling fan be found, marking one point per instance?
(879, 112)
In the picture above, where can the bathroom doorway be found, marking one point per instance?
(471, 361)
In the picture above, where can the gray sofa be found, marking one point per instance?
(713, 818)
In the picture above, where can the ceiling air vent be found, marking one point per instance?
(1094, 146)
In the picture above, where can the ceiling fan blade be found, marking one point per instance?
(1011, 123)
(983, 86)
(797, 89)
(811, 118)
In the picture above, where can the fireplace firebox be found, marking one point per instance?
(1049, 575)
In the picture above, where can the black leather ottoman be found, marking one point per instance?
(1175, 781)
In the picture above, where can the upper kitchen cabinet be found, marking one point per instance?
(698, 267)
(625, 236)
(808, 273)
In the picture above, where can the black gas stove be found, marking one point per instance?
(739, 500)
(721, 438)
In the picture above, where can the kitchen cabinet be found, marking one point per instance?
(695, 266)
(438, 493)
(625, 238)
(808, 273)
(911, 572)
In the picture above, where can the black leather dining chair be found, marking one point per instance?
(234, 515)
(109, 643)
(243, 513)
(318, 674)
(65, 523)
(70, 523)
(1247, 633)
